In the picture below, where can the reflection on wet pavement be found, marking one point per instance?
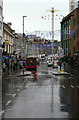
(70, 96)
(46, 97)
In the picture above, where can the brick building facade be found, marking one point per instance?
(70, 33)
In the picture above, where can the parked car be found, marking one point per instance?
(43, 57)
(49, 62)
(48, 59)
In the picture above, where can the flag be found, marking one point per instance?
(42, 17)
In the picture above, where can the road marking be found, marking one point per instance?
(20, 86)
(9, 94)
(63, 86)
(53, 75)
(8, 102)
(13, 95)
(9, 109)
(37, 86)
(72, 86)
(49, 86)
(26, 86)
(18, 90)
(1, 112)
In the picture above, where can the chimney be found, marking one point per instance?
(9, 24)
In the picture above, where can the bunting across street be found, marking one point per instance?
(57, 16)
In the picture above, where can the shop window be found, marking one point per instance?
(74, 36)
(0, 25)
(72, 7)
(3, 46)
(74, 49)
(0, 11)
(74, 22)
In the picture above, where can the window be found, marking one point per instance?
(72, 7)
(0, 25)
(74, 36)
(31, 59)
(74, 49)
(0, 39)
(62, 44)
(69, 22)
(69, 30)
(0, 11)
(74, 22)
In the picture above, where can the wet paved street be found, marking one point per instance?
(47, 97)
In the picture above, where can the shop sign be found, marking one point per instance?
(7, 42)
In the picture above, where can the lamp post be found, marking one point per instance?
(52, 24)
(23, 42)
(52, 11)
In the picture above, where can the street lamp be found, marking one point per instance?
(52, 11)
(23, 30)
(23, 42)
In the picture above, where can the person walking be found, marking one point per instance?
(4, 67)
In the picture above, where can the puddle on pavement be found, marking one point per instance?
(64, 91)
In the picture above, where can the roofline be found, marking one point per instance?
(69, 15)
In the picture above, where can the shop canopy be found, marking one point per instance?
(3, 58)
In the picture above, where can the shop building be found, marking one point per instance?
(1, 35)
(70, 33)
(7, 44)
(8, 38)
(72, 5)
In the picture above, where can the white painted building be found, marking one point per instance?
(73, 4)
(8, 38)
(1, 34)
(1, 22)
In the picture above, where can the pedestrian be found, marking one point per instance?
(20, 65)
(76, 64)
(14, 65)
(4, 67)
(60, 64)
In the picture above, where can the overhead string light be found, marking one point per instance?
(58, 17)
(46, 17)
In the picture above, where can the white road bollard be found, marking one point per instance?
(58, 69)
(62, 68)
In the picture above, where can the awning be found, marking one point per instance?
(3, 58)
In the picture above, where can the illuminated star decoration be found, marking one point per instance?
(52, 10)
(57, 16)
(56, 10)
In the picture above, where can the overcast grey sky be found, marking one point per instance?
(13, 10)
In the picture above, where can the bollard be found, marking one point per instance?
(62, 68)
(58, 69)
